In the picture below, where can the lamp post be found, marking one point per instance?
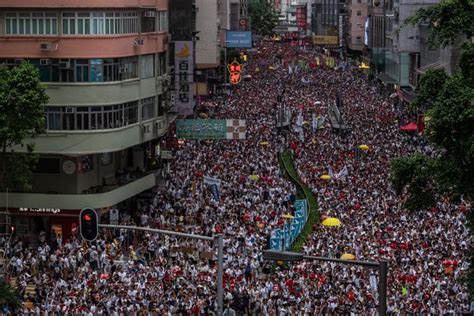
(381, 267)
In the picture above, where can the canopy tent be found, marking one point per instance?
(410, 127)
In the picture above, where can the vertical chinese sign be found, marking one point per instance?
(301, 17)
(183, 69)
(235, 69)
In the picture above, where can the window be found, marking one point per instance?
(148, 108)
(147, 66)
(162, 21)
(111, 69)
(86, 164)
(28, 23)
(162, 64)
(128, 68)
(92, 23)
(47, 165)
(359, 13)
(72, 118)
(148, 21)
(359, 40)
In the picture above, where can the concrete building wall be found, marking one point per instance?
(207, 54)
(358, 15)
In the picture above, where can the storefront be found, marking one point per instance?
(29, 223)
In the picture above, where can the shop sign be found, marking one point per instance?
(325, 40)
(184, 68)
(39, 210)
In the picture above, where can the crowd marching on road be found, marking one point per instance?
(133, 274)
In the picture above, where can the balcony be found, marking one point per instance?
(74, 143)
(68, 46)
(111, 195)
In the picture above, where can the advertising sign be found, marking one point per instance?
(211, 129)
(301, 17)
(239, 39)
(184, 77)
(325, 40)
(341, 31)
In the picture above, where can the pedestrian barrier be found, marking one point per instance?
(300, 231)
(290, 230)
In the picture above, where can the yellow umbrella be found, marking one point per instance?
(348, 256)
(263, 143)
(271, 68)
(325, 177)
(203, 115)
(364, 147)
(331, 221)
(288, 216)
(254, 177)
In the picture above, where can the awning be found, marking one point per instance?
(386, 78)
(436, 65)
(410, 127)
(407, 95)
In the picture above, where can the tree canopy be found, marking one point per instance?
(449, 170)
(263, 18)
(450, 114)
(22, 100)
(446, 20)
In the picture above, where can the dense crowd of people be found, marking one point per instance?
(127, 273)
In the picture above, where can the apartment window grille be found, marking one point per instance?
(99, 23)
(94, 117)
(162, 21)
(31, 23)
(148, 108)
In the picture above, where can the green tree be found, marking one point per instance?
(263, 18)
(446, 20)
(9, 297)
(22, 100)
(450, 118)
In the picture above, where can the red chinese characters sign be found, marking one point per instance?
(235, 69)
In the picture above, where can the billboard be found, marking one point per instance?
(301, 17)
(183, 81)
(325, 40)
(239, 39)
(211, 129)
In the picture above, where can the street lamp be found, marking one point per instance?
(381, 266)
(286, 232)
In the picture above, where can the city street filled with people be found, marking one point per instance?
(135, 273)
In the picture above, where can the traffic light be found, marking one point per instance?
(89, 224)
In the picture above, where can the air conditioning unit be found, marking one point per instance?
(150, 14)
(138, 42)
(45, 62)
(65, 64)
(123, 70)
(46, 46)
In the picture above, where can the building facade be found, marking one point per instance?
(357, 18)
(104, 64)
(207, 47)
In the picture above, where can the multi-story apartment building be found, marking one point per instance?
(207, 47)
(357, 17)
(105, 67)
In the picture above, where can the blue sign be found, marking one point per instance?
(239, 39)
(290, 231)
